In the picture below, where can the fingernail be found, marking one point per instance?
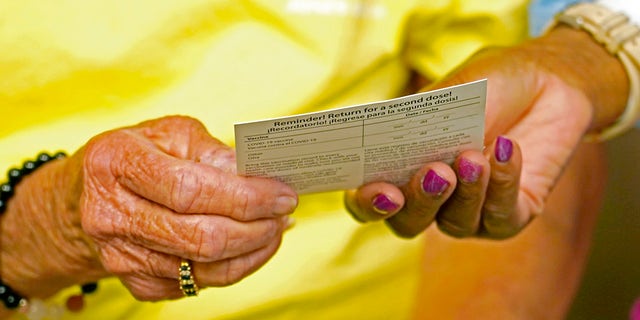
(285, 205)
(289, 222)
(504, 149)
(434, 184)
(469, 171)
(383, 205)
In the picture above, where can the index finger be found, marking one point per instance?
(187, 186)
(427, 191)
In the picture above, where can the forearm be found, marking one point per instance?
(43, 248)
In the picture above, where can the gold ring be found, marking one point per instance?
(187, 282)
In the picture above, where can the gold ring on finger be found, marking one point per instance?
(187, 282)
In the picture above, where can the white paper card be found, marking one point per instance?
(381, 141)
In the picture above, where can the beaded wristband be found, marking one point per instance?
(621, 37)
(15, 175)
(9, 297)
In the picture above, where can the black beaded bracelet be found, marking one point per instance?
(9, 297)
(15, 175)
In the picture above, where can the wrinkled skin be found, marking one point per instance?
(134, 202)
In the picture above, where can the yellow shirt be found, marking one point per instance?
(72, 69)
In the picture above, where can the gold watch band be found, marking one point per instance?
(621, 38)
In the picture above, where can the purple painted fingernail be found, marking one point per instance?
(433, 183)
(469, 171)
(383, 205)
(504, 149)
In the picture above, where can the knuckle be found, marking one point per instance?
(454, 229)
(503, 179)
(496, 211)
(101, 149)
(424, 212)
(96, 165)
(222, 157)
(496, 217)
(210, 242)
(245, 201)
(500, 226)
(235, 271)
(185, 188)
(179, 121)
(271, 228)
(228, 274)
(467, 194)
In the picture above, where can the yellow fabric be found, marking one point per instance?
(71, 69)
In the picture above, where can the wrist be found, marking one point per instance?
(43, 248)
(586, 65)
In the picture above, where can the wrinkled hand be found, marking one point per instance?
(542, 102)
(165, 190)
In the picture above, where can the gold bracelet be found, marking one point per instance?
(621, 38)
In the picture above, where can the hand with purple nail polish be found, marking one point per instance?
(536, 115)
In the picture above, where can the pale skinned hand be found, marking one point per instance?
(150, 195)
(542, 97)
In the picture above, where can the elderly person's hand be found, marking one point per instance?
(135, 202)
(544, 95)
